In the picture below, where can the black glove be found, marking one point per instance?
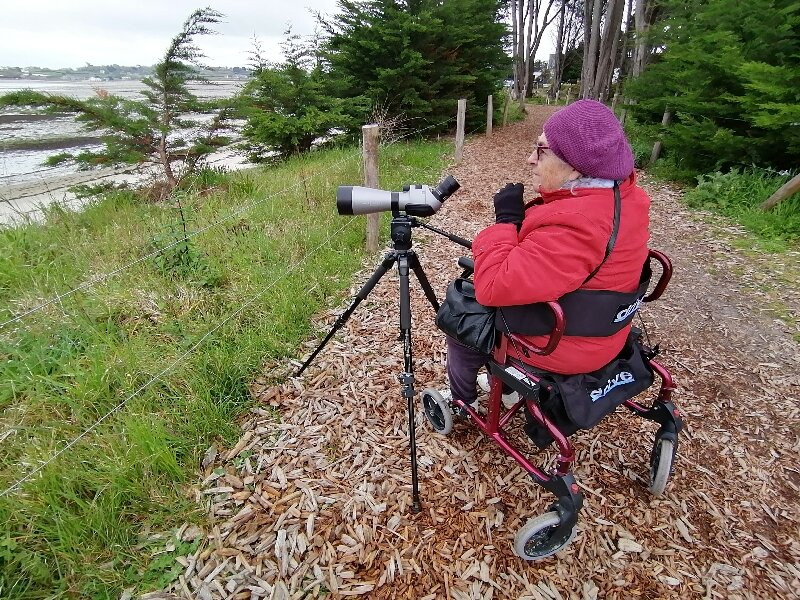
(508, 204)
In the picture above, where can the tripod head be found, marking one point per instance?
(401, 231)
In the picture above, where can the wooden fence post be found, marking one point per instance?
(657, 146)
(462, 112)
(369, 136)
(624, 112)
(489, 116)
(789, 188)
(505, 106)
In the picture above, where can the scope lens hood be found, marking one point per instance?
(344, 199)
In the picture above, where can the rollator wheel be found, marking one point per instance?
(438, 411)
(535, 541)
(661, 461)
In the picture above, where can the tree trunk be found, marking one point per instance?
(590, 62)
(538, 32)
(624, 65)
(573, 30)
(164, 157)
(587, 34)
(608, 49)
(530, 16)
(558, 68)
(640, 46)
(514, 47)
(528, 25)
(520, 60)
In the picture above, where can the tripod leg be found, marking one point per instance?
(407, 377)
(379, 272)
(423, 281)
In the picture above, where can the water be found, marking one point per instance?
(126, 89)
(28, 139)
(21, 125)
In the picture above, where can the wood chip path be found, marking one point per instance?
(313, 501)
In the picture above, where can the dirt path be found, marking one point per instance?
(316, 501)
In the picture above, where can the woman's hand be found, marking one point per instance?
(508, 204)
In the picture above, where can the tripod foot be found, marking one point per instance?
(416, 506)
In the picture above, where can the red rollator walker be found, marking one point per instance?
(546, 534)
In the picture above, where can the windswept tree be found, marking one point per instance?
(158, 130)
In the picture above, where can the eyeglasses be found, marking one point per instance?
(539, 148)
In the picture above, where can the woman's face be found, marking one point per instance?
(550, 172)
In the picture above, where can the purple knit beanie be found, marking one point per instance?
(588, 136)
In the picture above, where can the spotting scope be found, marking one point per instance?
(415, 200)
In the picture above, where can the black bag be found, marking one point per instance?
(576, 402)
(462, 317)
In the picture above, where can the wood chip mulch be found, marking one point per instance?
(314, 499)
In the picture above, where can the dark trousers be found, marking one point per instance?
(463, 364)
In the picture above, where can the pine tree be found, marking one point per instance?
(730, 73)
(288, 106)
(415, 58)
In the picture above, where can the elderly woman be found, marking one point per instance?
(559, 242)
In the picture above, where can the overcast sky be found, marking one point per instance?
(71, 33)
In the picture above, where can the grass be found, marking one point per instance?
(739, 194)
(88, 525)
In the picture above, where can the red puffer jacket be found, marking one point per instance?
(561, 241)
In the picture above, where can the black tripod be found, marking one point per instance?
(406, 260)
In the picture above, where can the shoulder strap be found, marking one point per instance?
(615, 229)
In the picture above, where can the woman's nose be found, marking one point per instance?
(532, 158)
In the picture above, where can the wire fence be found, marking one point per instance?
(66, 186)
(105, 276)
(174, 363)
(85, 286)
(236, 213)
(44, 170)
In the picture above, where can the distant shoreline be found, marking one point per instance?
(110, 73)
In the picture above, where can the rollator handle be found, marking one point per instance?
(555, 335)
(666, 275)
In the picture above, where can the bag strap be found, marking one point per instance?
(609, 247)
(615, 229)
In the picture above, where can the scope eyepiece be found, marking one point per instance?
(446, 188)
(416, 200)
